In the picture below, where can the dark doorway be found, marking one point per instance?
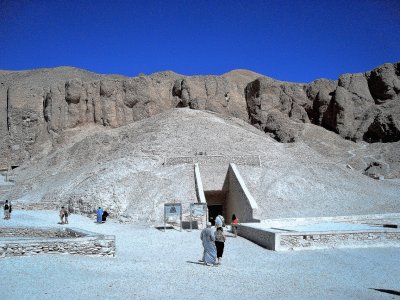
(213, 212)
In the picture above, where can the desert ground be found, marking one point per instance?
(72, 138)
(153, 264)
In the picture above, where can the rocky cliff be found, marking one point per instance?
(362, 106)
(38, 106)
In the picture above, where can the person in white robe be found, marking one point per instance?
(210, 251)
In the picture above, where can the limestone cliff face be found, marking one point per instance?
(366, 106)
(278, 107)
(362, 106)
(38, 106)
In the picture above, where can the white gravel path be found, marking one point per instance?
(152, 264)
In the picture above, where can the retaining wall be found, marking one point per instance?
(239, 201)
(326, 240)
(288, 240)
(251, 160)
(33, 241)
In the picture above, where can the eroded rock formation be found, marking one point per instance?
(37, 106)
(362, 106)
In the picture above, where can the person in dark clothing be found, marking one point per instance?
(104, 216)
(219, 243)
(7, 210)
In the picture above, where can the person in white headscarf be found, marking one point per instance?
(219, 221)
(210, 251)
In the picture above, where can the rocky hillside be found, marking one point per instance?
(359, 107)
(122, 169)
(38, 107)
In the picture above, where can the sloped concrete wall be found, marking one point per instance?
(239, 201)
(199, 185)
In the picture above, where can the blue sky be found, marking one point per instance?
(296, 41)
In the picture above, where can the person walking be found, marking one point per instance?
(62, 214)
(220, 243)
(210, 251)
(99, 215)
(219, 221)
(7, 210)
(235, 222)
(66, 212)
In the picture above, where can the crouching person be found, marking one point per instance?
(7, 210)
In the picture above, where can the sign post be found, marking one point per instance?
(172, 212)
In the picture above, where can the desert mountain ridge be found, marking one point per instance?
(85, 140)
(36, 106)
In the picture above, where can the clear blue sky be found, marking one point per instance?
(288, 40)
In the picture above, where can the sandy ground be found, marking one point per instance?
(152, 264)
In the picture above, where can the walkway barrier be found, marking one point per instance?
(251, 160)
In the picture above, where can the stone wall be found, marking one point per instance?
(278, 240)
(325, 240)
(250, 160)
(73, 206)
(261, 237)
(33, 232)
(36, 206)
(15, 242)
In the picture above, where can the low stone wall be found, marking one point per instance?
(36, 206)
(251, 160)
(74, 207)
(34, 232)
(32, 241)
(279, 240)
(261, 237)
(326, 240)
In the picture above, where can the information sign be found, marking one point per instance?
(172, 214)
(197, 211)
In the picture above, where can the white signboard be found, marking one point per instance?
(197, 211)
(172, 209)
(172, 214)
